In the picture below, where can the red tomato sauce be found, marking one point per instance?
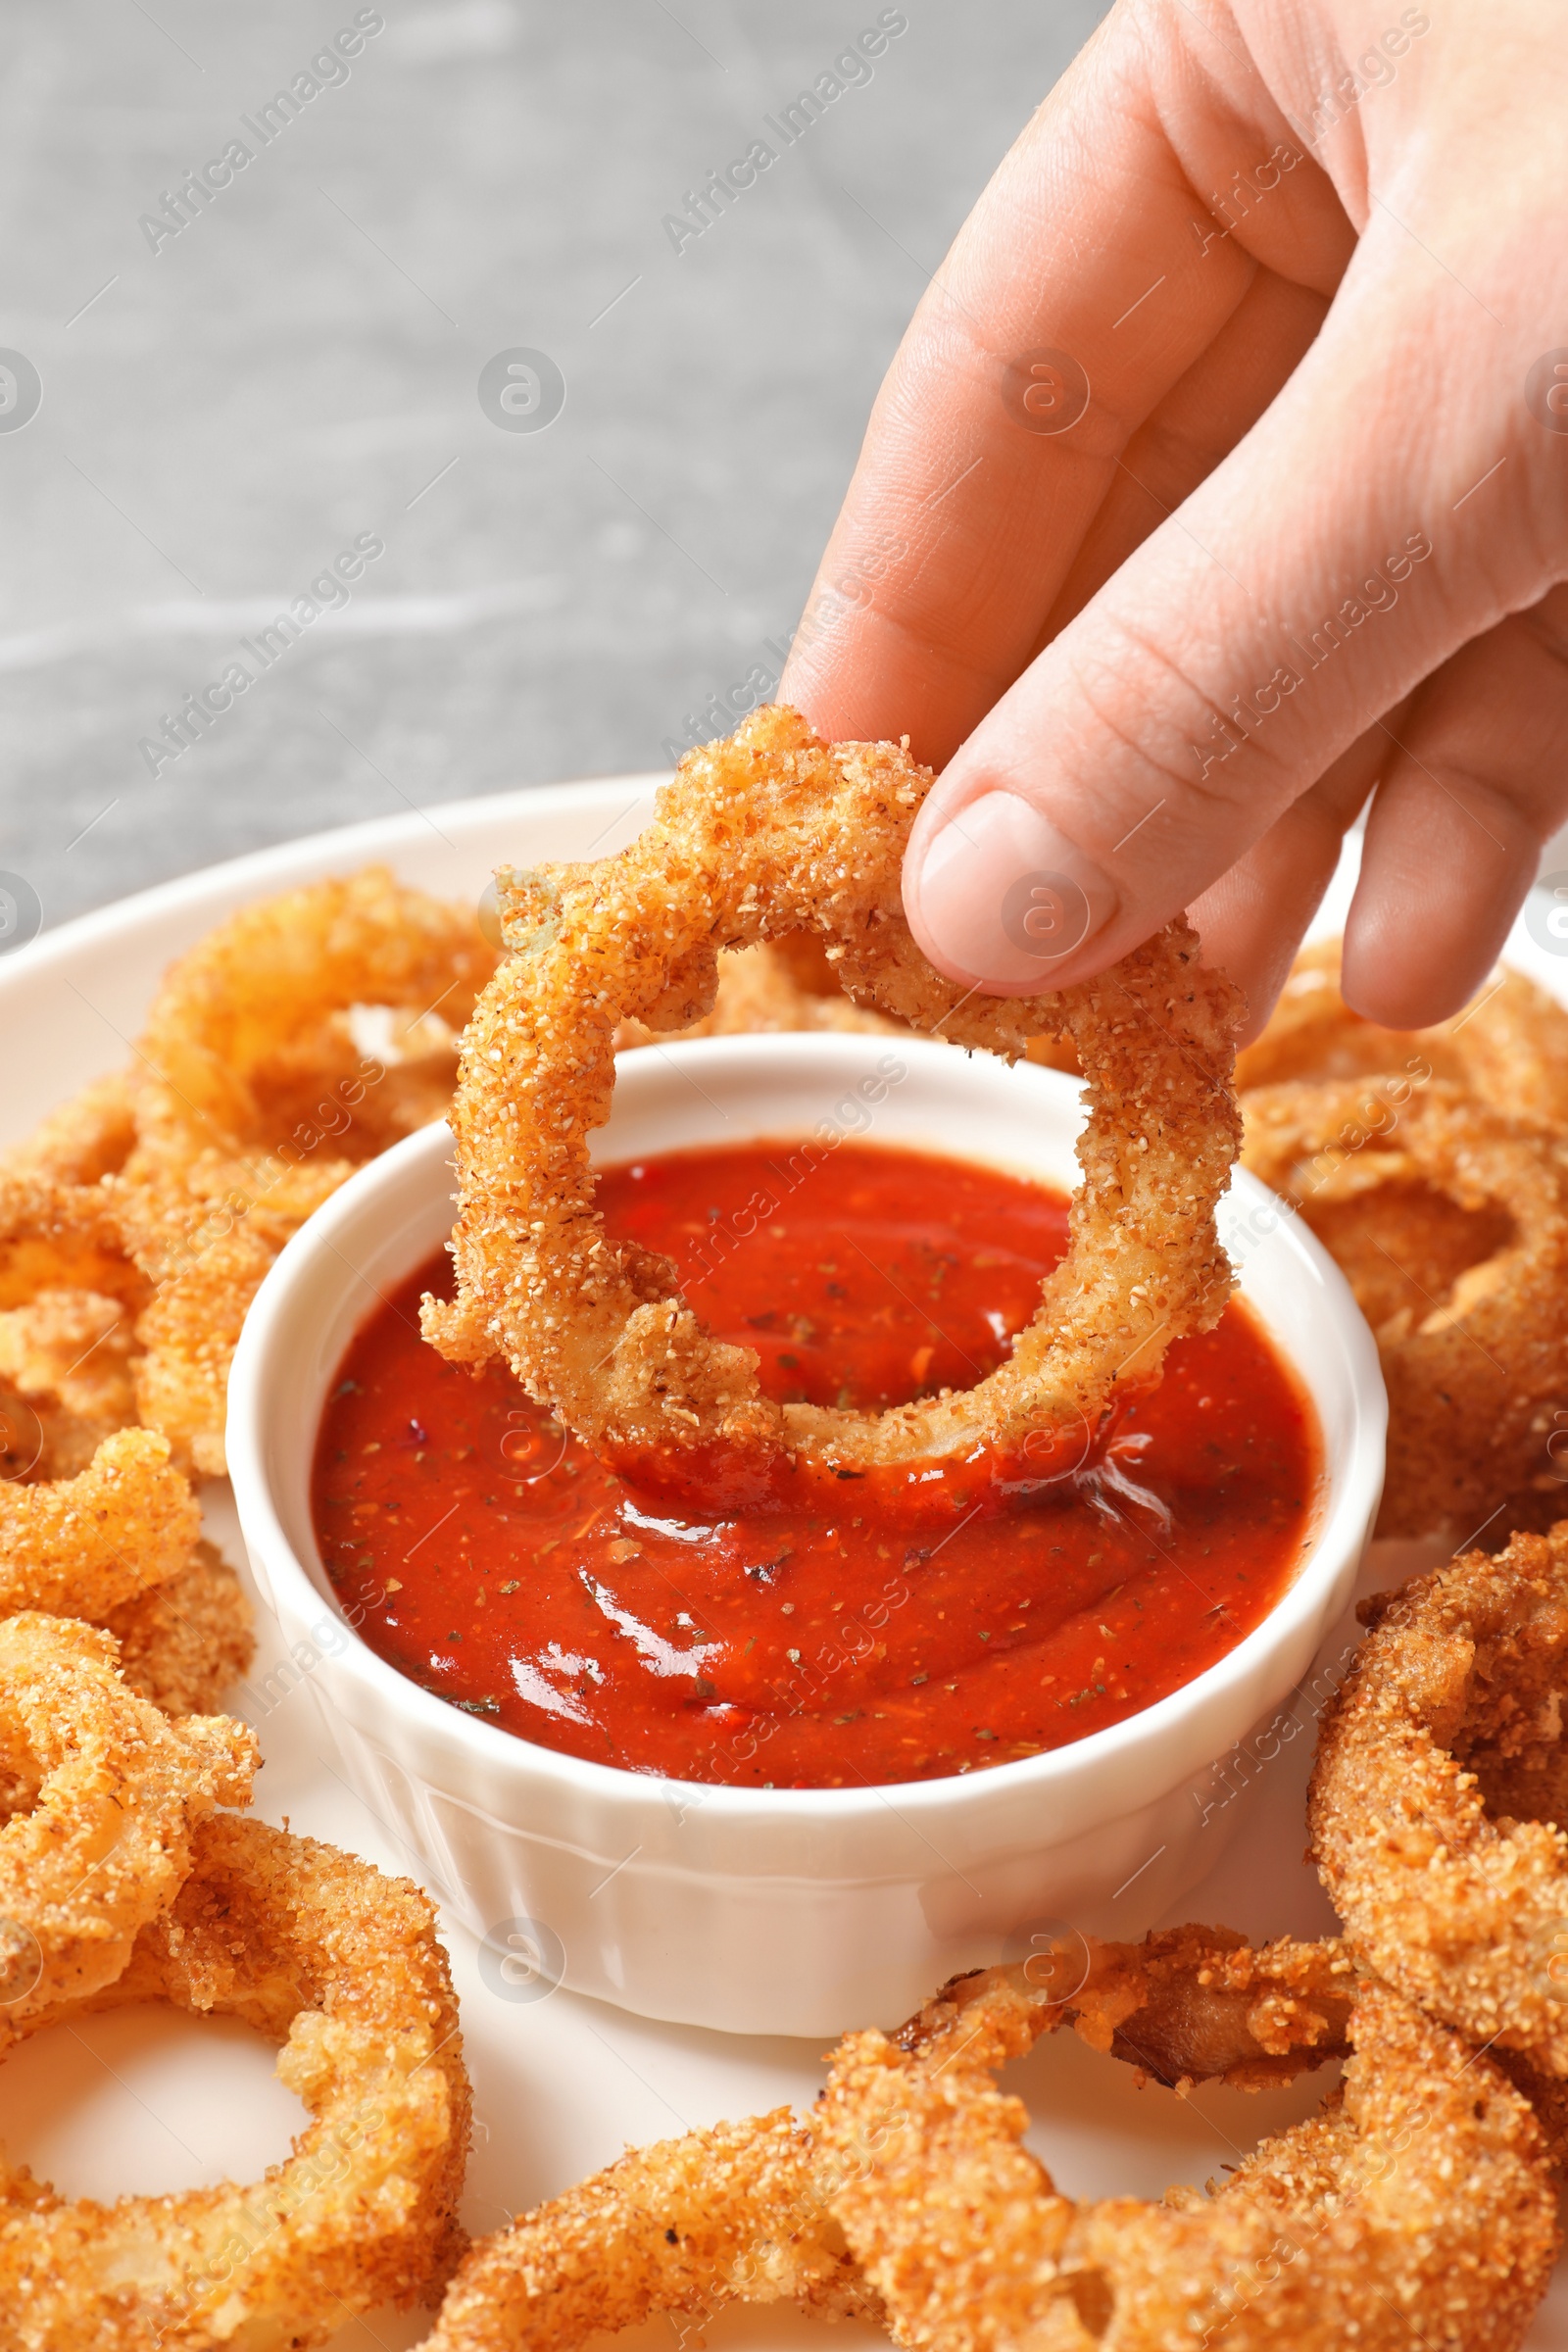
(488, 1556)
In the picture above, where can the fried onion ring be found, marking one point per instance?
(185, 1641)
(1420, 2203)
(190, 1332)
(116, 1794)
(1508, 1046)
(321, 1954)
(732, 2214)
(67, 1360)
(760, 835)
(913, 2154)
(1193, 2004)
(741, 2212)
(1474, 1370)
(58, 1235)
(88, 1137)
(1441, 1777)
(70, 1297)
(257, 1101)
(80, 1546)
(254, 1022)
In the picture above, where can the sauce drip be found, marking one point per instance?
(488, 1556)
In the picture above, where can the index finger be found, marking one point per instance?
(1085, 284)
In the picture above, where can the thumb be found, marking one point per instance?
(1329, 564)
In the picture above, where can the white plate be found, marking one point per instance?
(145, 2100)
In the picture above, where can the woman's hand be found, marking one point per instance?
(1222, 476)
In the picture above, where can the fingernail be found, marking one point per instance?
(1003, 896)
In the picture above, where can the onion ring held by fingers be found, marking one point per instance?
(1420, 2207)
(1474, 1365)
(315, 1951)
(1441, 1777)
(81, 1546)
(117, 1793)
(1508, 1048)
(770, 831)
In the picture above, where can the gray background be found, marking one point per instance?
(295, 367)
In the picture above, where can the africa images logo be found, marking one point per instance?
(851, 70)
(199, 189)
(1547, 913)
(199, 711)
(20, 391)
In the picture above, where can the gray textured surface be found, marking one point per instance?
(297, 364)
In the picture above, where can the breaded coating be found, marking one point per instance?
(88, 1137)
(106, 1537)
(728, 2214)
(1474, 1371)
(67, 1360)
(742, 2212)
(113, 1795)
(260, 1089)
(81, 1546)
(189, 1333)
(1441, 1777)
(1425, 2188)
(759, 994)
(60, 1236)
(755, 836)
(69, 1296)
(187, 1641)
(1547, 2096)
(319, 1952)
(1186, 2005)
(1416, 2207)
(1508, 1046)
(249, 1025)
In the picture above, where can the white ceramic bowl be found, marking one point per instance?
(793, 1911)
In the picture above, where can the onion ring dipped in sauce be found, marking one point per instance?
(104, 1797)
(484, 1553)
(766, 833)
(1451, 1222)
(321, 1954)
(1439, 1796)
